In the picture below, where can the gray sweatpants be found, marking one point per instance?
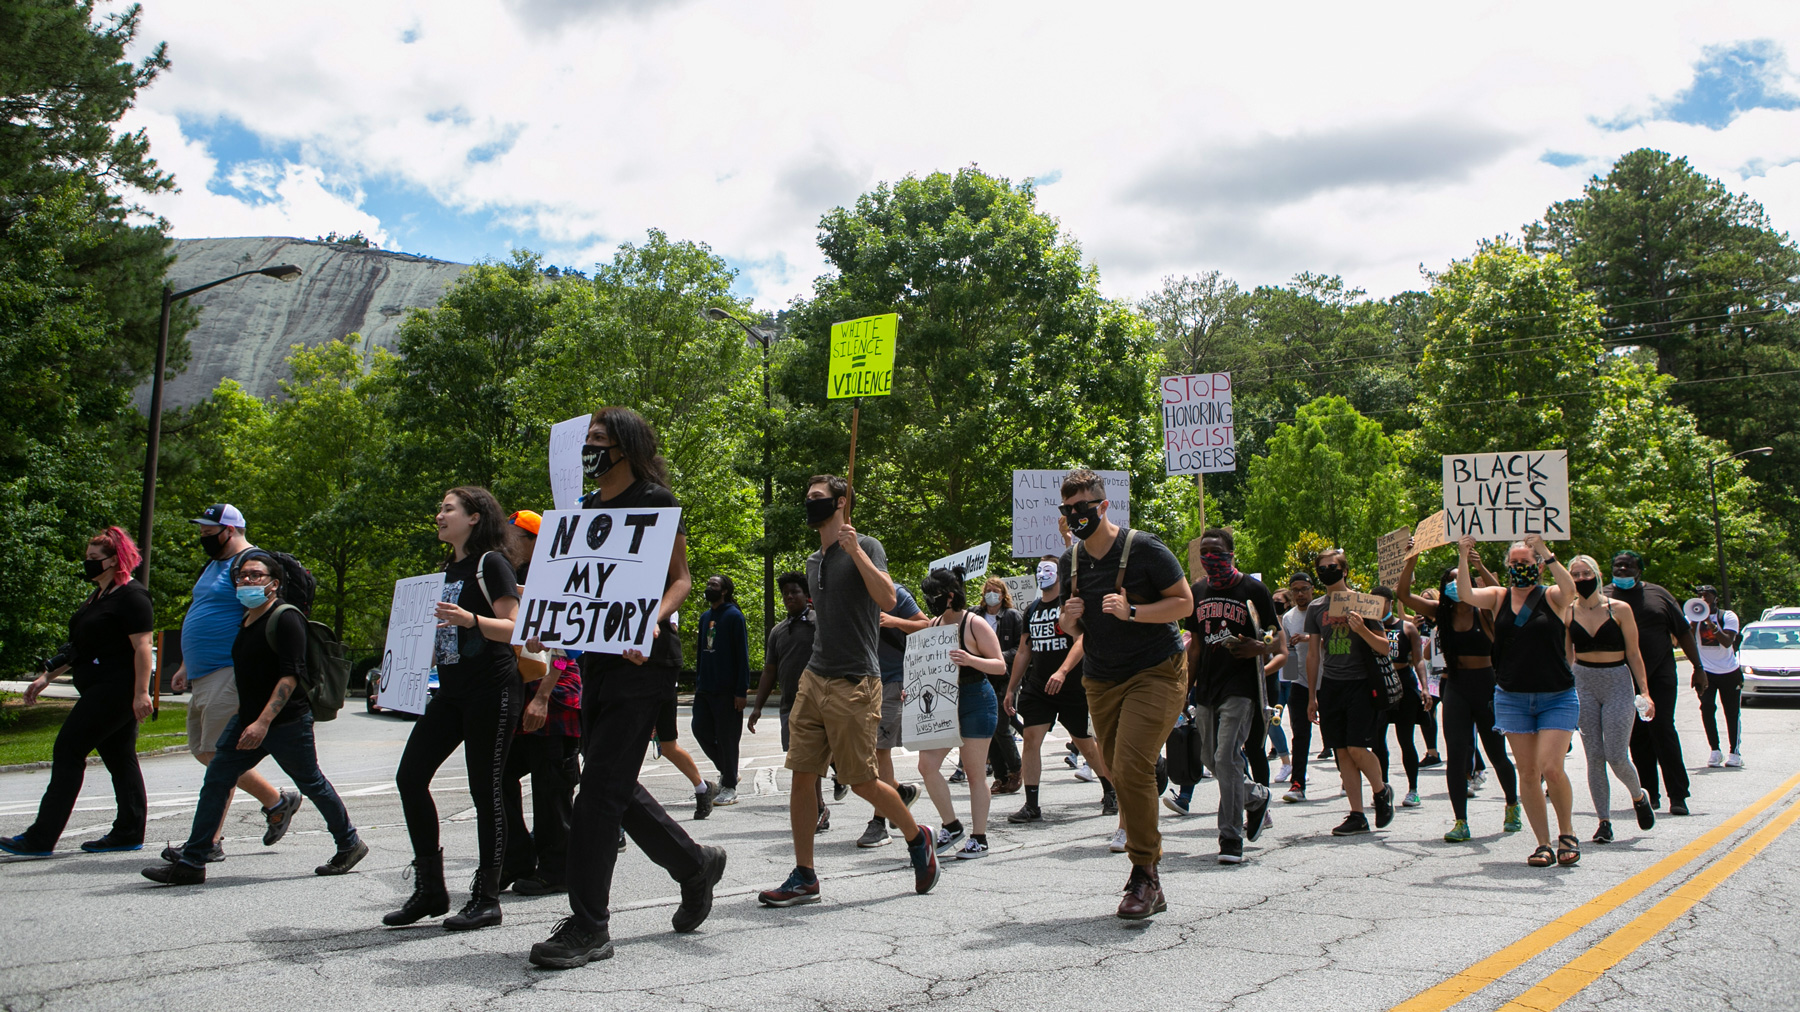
(1223, 731)
(1607, 713)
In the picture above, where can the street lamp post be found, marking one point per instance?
(1712, 490)
(146, 514)
(764, 339)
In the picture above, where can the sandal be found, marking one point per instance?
(1568, 851)
(1543, 857)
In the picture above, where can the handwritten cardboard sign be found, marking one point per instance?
(862, 357)
(928, 713)
(597, 579)
(412, 631)
(1390, 555)
(1349, 602)
(1024, 590)
(566, 440)
(1199, 435)
(1433, 532)
(1036, 496)
(1505, 496)
(973, 560)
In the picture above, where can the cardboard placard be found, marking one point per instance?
(1024, 590)
(1432, 532)
(405, 674)
(1349, 602)
(1036, 496)
(597, 579)
(1505, 496)
(1199, 435)
(862, 357)
(1390, 555)
(973, 560)
(566, 440)
(928, 712)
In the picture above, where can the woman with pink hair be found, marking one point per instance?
(109, 653)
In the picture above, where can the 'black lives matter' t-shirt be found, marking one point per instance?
(666, 651)
(100, 634)
(468, 662)
(1112, 648)
(1218, 616)
(1050, 645)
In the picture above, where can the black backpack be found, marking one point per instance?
(297, 583)
(327, 664)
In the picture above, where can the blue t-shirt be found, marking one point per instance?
(892, 653)
(212, 621)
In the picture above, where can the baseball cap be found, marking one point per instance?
(1302, 577)
(527, 520)
(220, 514)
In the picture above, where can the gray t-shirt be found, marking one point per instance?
(1293, 622)
(1346, 655)
(848, 622)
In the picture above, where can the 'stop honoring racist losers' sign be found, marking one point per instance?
(1199, 436)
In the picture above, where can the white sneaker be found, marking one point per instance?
(727, 796)
(1117, 845)
(1734, 760)
(1479, 779)
(972, 849)
(1286, 774)
(1294, 794)
(1086, 774)
(1716, 760)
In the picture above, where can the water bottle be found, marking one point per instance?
(1643, 706)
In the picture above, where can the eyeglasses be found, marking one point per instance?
(252, 579)
(1069, 509)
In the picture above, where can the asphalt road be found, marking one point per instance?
(1310, 922)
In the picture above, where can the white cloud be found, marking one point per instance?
(1285, 138)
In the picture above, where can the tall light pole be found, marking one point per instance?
(147, 513)
(763, 338)
(1712, 490)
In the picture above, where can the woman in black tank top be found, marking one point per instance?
(1535, 704)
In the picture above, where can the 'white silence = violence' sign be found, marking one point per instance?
(411, 634)
(1199, 436)
(597, 579)
(1505, 496)
(928, 713)
(974, 561)
(1036, 496)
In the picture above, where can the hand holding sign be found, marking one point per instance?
(1390, 555)
(1349, 602)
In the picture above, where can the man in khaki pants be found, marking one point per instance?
(1127, 607)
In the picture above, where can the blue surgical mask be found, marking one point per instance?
(252, 596)
(1450, 592)
(1624, 582)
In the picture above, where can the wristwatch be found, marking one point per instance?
(1131, 616)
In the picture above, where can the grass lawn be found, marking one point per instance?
(29, 738)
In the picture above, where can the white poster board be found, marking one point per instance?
(928, 713)
(597, 579)
(1199, 436)
(566, 441)
(1024, 590)
(973, 560)
(1036, 496)
(1505, 496)
(405, 673)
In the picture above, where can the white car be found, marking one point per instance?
(1780, 615)
(1770, 655)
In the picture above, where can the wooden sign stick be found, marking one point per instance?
(850, 474)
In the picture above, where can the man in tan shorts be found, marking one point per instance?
(837, 710)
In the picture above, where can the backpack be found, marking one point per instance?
(297, 583)
(327, 665)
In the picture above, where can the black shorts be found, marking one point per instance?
(665, 718)
(1070, 706)
(1347, 715)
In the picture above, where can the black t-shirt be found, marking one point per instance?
(100, 636)
(1218, 616)
(1113, 649)
(257, 667)
(666, 651)
(1659, 617)
(789, 647)
(467, 661)
(1050, 646)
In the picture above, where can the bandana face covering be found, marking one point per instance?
(1523, 574)
(1221, 568)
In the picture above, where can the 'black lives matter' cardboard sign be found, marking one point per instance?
(1505, 496)
(597, 579)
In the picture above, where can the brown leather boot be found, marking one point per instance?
(1009, 784)
(1143, 894)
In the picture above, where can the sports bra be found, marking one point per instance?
(1460, 645)
(1609, 637)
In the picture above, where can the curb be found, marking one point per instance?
(93, 759)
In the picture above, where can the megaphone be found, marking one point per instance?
(1696, 609)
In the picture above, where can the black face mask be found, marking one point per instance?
(1329, 575)
(818, 511)
(937, 603)
(1587, 587)
(1084, 523)
(92, 568)
(214, 544)
(714, 595)
(596, 460)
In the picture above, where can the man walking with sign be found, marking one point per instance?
(837, 710)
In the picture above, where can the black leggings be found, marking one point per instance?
(1003, 752)
(1409, 754)
(1468, 701)
(100, 721)
(483, 725)
(1727, 690)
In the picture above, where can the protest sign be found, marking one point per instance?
(973, 560)
(1390, 555)
(1199, 436)
(1349, 602)
(862, 357)
(597, 579)
(1036, 496)
(928, 713)
(1433, 532)
(1024, 590)
(566, 441)
(1505, 496)
(412, 630)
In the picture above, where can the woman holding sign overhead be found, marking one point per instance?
(977, 658)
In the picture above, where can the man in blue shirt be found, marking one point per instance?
(207, 632)
(722, 683)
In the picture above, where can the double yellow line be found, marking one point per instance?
(1562, 985)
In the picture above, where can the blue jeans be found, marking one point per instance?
(292, 746)
(978, 710)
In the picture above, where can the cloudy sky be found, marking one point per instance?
(1257, 139)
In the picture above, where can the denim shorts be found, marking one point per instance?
(1531, 712)
(977, 710)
